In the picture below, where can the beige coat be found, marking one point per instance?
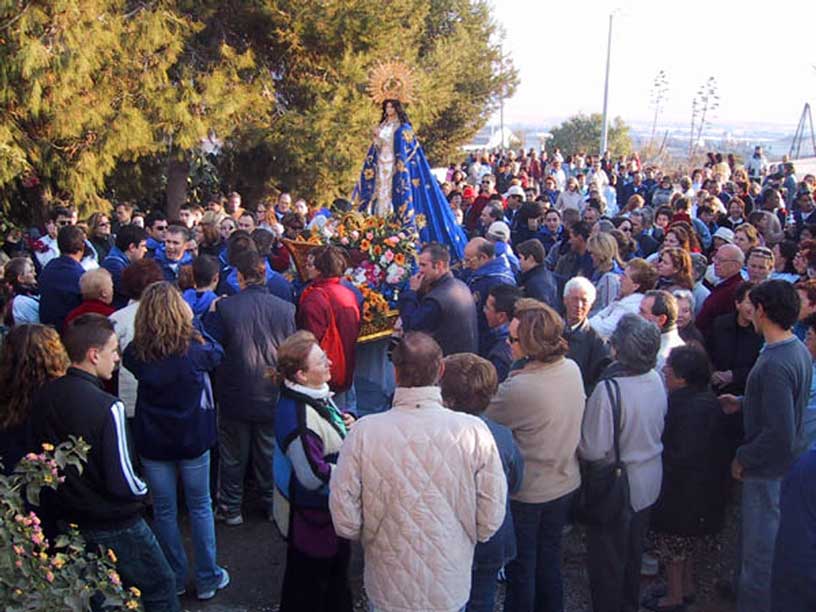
(543, 405)
(419, 485)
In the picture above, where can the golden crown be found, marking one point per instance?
(391, 80)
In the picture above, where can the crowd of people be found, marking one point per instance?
(604, 314)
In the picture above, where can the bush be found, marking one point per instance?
(57, 576)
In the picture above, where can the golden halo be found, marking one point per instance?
(391, 80)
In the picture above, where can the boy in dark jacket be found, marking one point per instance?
(108, 498)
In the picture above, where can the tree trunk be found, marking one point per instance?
(177, 172)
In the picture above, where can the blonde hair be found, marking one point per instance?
(164, 323)
(750, 232)
(540, 331)
(605, 249)
(92, 284)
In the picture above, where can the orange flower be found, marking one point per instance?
(399, 259)
(368, 317)
(377, 250)
(365, 244)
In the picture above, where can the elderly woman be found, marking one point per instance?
(614, 549)
(543, 404)
(685, 317)
(468, 384)
(309, 430)
(603, 249)
(691, 500)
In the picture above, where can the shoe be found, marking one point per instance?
(225, 580)
(233, 520)
(649, 566)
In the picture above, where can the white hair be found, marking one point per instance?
(583, 283)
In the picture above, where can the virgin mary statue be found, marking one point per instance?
(396, 178)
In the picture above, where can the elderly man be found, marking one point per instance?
(586, 347)
(486, 271)
(418, 523)
(660, 307)
(439, 304)
(639, 276)
(727, 266)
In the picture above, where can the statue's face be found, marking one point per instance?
(390, 111)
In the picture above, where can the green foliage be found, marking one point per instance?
(61, 576)
(85, 85)
(100, 97)
(583, 133)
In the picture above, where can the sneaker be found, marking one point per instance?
(225, 580)
(233, 520)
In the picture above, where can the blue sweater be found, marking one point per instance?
(175, 411)
(115, 263)
(59, 290)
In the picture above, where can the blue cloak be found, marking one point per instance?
(415, 191)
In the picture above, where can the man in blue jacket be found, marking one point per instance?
(250, 325)
(130, 246)
(59, 280)
(487, 270)
(174, 253)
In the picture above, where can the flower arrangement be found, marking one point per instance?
(58, 576)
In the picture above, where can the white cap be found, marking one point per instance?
(723, 233)
(515, 190)
(499, 230)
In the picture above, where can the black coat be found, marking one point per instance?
(692, 496)
(540, 284)
(734, 348)
(589, 351)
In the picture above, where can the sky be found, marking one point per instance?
(761, 53)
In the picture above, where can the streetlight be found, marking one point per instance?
(604, 127)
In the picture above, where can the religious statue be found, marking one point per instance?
(396, 178)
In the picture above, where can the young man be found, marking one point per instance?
(174, 254)
(773, 409)
(107, 500)
(130, 246)
(59, 281)
(156, 226)
(499, 310)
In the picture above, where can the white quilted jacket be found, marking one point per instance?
(419, 485)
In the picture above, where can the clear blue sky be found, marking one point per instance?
(762, 54)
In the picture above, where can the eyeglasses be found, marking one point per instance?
(513, 339)
(159, 228)
(63, 222)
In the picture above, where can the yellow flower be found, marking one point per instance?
(132, 604)
(112, 555)
(47, 447)
(369, 174)
(136, 592)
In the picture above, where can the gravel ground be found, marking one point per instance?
(254, 553)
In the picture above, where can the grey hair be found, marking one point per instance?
(605, 226)
(699, 265)
(685, 294)
(636, 342)
(581, 282)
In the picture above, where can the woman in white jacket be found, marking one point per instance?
(638, 278)
(135, 279)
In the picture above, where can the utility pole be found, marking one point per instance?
(501, 99)
(604, 127)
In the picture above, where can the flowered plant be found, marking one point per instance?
(57, 576)
(383, 255)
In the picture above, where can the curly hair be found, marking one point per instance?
(31, 356)
(164, 324)
(540, 331)
(681, 261)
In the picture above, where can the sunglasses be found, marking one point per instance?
(513, 339)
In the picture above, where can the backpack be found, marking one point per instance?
(332, 342)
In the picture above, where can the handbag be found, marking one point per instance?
(604, 492)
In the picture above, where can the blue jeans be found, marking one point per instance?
(760, 522)
(162, 476)
(534, 576)
(483, 588)
(141, 564)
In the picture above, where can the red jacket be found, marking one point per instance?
(320, 299)
(719, 302)
(89, 306)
